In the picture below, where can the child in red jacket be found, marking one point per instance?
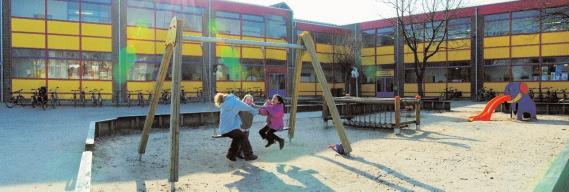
(274, 110)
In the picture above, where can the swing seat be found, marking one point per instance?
(217, 136)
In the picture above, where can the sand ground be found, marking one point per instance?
(447, 154)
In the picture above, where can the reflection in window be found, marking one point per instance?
(63, 54)
(96, 13)
(410, 76)
(253, 73)
(192, 71)
(228, 69)
(324, 38)
(328, 72)
(525, 73)
(28, 53)
(497, 25)
(28, 68)
(435, 73)
(63, 69)
(555, 19)
(63, 10)
(385, 36)
(28, 8)
(140, 17)
(525, 22)
(368, 74)
(459, 28)
(192, 22)
(144, 71)
(227, 23)
(368, 38)
(276, 27)
(497, 70)
(338, 74)
(163, 18)
(459, 71)
(253, 25)
(558, 72)
(97, 70)
(416, 31)
(307, 74)
(141, 3)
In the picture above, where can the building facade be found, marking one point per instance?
(116, 46)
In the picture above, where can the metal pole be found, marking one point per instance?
(475, 53)
(209, 49)
(1, 57)
(241, 42)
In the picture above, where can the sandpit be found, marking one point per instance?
(447, 154)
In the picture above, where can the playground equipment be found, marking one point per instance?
(389, 113)
(515, 93)
(173, 49)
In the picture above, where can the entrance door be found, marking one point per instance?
(276, 84)
(384, 87)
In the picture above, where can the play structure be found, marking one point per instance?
(389, 113)
(305, 44)
(515, 93)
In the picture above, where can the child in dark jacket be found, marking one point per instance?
(274, 110)
(246, 120)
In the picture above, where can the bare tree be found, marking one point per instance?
(554, 17)
(346, 51)
(424, 28)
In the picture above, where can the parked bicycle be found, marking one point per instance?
(54, 100)
(96, 98)
(78, 97)
(39, 97)
(164, 97)
(15, 99)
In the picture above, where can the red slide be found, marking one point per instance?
(486, 114)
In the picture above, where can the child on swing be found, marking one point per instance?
(246, 121)
(274, 110)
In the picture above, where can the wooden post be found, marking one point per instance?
(295, 91)
(175, 107)
(418, 112)
(397, 115)
(309, 44)
(170, 42)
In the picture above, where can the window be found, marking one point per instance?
(497, 25)
(253, 25)
(368, 74)
(339, 75)
(555, 69)
(28, 8)
(459, 28)
(368, 38)
(329, 72)
(459, 71)
(431, 27)
(96, 13)
(144, 71)
(63, 10)
(63, 54)
(307, 74)
(324, 38)
(410, 75)
(385, 36)
(63, 69)
(192, 22)
(275, 62)
(141, 3)
(525, 73)
(192, 68)
(28, 68)
(228, 69)
(497, 70)
(227, 23)
(140, 17)
(435, 73)
(99, 70)
(163, 19)
(253, 73)
(276, 27)
(415, 31)
(168, 6)
(525, 22)
(555, 19)
(28, 53)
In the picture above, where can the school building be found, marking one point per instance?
(116, 46)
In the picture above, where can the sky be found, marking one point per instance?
(342, 12)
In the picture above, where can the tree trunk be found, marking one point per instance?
(420, 84)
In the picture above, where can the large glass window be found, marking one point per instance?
(497, 70)
(410, 75)
(307, 74)
(525, 22)
(497, 25)
(459, 71)
(431, 27)
(63, 10)
(144, 71)
(415, 31)
(368, 74)
(227, 23)
(252, 70)
(140, 17)
(525, 72)
(276, 27)
(435, 73)
(97, 66)
(329, 72)
(192, 18)
(555, 19)
(555, 69)
(163, 19)
(339, 75)
(28, 8)
(324, 38)
(368, 38)
(96, 13)
(28, 68)
(63, 69)
(253, 25)
(385, 36)
(459, 28)
(228, 69)
(192, 68)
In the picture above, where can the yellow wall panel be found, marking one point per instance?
(305, 57)
(227, 51)
(141, 85)
(496, 41)
(324, 48)
(498, 87)
(28, 40)
(28, 25)
(464, 87)
(492, 53)
(278, 54)
(160, 47)
(161, 34)
(99, 30)
(368, 60)
(458, 44)
(440, 56)
(225, 86)
(192, 49)
(385, 59)
(63, 42)
(368, 88)
(556, 85)
(434, 89)
(199, 34)
(97, 44)
(555, 37)
(65, 87)
(228, 36)
(276, 40)
(63, 27)
(555, 50)
(459, 55)
(252, 38)
(318, 88)
(26, 85)
(140, 33)
(253, 85)
(530, 39)
(409, 58)
(325, 58)
(141, 47)
(368, 51)
(307, 87)
(107, 87)
(525, 51)
(253, 53)
(410, 89)
(191, 87)
(385, 50)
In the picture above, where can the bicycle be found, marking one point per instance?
(183, 98)
(15, 100)
(78, 97)
(198, 96)
(165, 96)
(96, 98)
(39, 98)
(54, 98)
(140, 98)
